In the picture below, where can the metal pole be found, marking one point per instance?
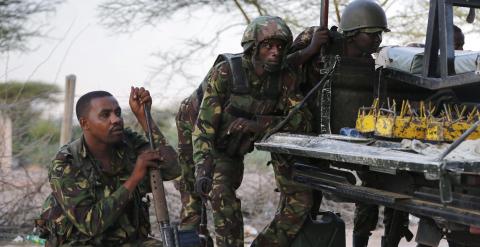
(66, 132)
(324, 14)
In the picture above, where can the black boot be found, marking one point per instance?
(390, 242)
(360, 241)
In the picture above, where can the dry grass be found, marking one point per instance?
(22, 193)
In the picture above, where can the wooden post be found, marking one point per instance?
(5, 143)
(66, 133)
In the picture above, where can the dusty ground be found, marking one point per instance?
(376, 238)
(374, 241)
(25, 192)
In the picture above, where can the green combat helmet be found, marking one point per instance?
(263, 28)
(363, 15)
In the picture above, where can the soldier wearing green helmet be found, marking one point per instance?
(363, 15)
(368, 17)
(362, 25)
(241, 98)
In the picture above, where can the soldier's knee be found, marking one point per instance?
(223, 196)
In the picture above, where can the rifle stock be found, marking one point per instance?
(171, 236)
(158, 192)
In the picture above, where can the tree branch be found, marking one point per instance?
(247, 19)
(337, 10)
(258, 7)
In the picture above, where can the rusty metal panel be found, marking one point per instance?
(365, 152)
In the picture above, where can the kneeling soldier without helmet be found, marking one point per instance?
(98, 181)
(244, 96)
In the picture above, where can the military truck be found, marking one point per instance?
(408, 148)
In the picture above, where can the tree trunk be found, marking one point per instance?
(5, 143)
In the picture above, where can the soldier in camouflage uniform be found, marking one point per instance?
(233, 114)
(185, 120)
(294, 206)
(362, 24)
(98, 181)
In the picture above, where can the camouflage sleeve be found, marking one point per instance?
(172, 169)
(301, 120)
(71, 188)
(210, 113)
(139, 143)
(301, 42)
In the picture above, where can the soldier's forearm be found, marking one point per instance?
(131, 183)
(95, 218)
(300, 57)
(157, 134)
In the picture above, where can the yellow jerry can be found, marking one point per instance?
(385, 123)
(434, 129)
(410, 127)
(453, 131)
(366, 120)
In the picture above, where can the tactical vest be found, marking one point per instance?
(243, 102)
(353, 85)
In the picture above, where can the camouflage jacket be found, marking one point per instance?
(90, 206)
(275, 94)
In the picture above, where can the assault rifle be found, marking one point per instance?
(171, 236)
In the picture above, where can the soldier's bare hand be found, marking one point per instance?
(242, 125)
(147, 159)
(139, 97)
(319, 39)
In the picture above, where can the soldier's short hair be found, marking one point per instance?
(83, 103)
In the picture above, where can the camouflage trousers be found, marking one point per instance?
(366, 215)
(191, 202)
(228, 175)
(227, 212)
(295, 204)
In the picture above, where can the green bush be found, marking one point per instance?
(45, 129)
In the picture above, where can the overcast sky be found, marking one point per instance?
(101, 60)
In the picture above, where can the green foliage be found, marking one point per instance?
(34, 138)
(163, 118)
(13, 92)
(18, 21)
(45, 128)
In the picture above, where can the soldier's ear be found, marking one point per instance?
(84, 123)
